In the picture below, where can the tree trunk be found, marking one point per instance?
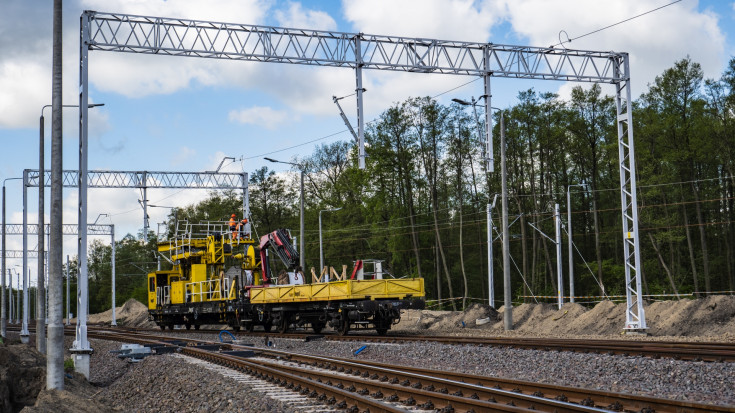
(524, 250)
(695, 277)
(549, 266)
(663, 264)
(703, 240)
(438, 272)
(598, 251)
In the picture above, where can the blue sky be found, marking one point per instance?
(183, 114)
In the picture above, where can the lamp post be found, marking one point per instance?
(3, 315)
(40, 285)
(508, 313)
(113, 323)
(570, 242)
(487, 151)
(302, 258)
(321, 250)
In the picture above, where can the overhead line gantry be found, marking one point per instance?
(217, 40)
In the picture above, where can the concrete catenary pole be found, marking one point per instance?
(55, 350)
(40, 283)
(508, 312)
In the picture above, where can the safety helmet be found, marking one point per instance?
(233, 215)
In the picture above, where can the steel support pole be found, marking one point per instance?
(24, 335)
(246, 201)
(11, 302)
(570, 243)
(360, 117)
(489, 157)
(302, 260)
(508, 303)
(81, 349)
(559, 275)
(635, 318)
(490, 275)
(40, 283)
(68, 300)
(112, 242)
(145, 209)
(18, 293)
(3, 314)
(321, 250)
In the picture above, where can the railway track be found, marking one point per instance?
(409, 388)
(358, 386)
(694, 351)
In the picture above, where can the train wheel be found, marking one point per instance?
(344, 328)
(317, 327)
(249, 327)
(236, 328)
(163, 327)
(381, 331)
(283, 324)
(188, 326)
(267, 327)
(196, 326)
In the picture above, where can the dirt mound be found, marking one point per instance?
(77, 397)
(441, 321)
(131, 314)
(22, 376)
(710, 316)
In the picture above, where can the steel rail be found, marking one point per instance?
(395, 390)
(694, 351)
(487, 388)
(425, 386)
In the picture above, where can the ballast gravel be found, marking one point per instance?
(702, 382)
(167, 384)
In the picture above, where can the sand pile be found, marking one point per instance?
(710, 316)
(131, 314)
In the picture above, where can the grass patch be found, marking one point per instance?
(68, 365)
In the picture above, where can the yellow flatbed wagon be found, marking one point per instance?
(340, 290)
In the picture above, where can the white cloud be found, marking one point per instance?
(259, 115)
(654, 41)
(183, 156)
(18, 92)
(442, 19)
(297, 17)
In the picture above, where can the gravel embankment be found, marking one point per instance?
(169, 384)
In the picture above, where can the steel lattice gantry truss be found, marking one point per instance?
(357, 51)
(67, 229)
(123, 179)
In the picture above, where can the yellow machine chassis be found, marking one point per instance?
(340, 290)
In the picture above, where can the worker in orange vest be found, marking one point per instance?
(241, 228)
(233, 226)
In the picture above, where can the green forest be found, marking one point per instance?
(421, 203)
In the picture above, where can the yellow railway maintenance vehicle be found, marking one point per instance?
(220, 276)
